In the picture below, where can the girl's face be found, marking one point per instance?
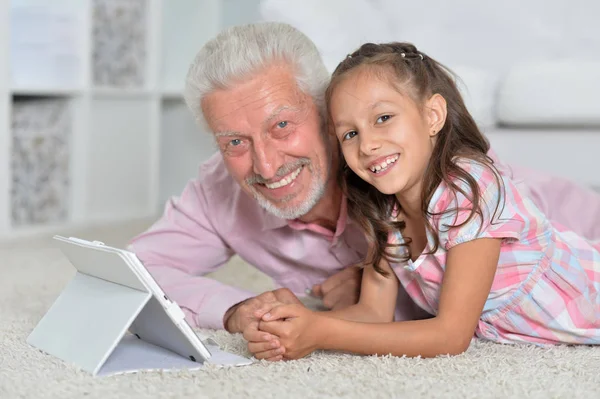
(385, 138)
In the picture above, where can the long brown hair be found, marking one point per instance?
(421, 77)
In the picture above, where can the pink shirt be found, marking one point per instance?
(546, 287)
(214, 219)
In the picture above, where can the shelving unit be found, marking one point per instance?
(93, 127)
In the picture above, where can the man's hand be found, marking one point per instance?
(239, 316)
(262, 344)
(244, 317)
(297, 328)
(340, 290)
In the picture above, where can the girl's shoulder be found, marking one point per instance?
(488, 181)
(460, 214)
(478, 169)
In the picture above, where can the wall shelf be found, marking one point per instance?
(93, 127)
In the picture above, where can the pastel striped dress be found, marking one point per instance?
(547, 284)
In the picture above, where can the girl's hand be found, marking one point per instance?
(297, 328)
(263, 345)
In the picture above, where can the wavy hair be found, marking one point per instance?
(416, 74)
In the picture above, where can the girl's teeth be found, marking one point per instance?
(384, 164)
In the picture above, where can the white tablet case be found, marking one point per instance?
(113, 318)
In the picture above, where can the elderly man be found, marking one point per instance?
(270, 194)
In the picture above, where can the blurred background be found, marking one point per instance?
(94, 131)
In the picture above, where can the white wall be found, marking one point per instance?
(184, 146)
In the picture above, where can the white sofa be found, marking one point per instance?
(544, 115)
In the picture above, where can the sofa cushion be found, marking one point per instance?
(562, 92)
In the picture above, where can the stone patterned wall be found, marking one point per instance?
(119, 43)
(40, 161)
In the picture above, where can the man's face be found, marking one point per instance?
(269, 133)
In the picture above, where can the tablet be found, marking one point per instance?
(161, 322)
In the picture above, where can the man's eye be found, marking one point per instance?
(349, 135)
(383, 118)
(282, 124)
(235, 142)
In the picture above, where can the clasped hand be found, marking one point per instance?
(287, 332)
(277, 325)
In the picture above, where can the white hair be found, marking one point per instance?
(240, 52)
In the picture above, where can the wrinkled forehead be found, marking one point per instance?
(255, 99)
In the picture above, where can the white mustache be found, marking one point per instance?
(282, 171)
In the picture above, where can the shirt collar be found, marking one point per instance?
(271, 222)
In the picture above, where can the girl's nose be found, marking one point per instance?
(369, 144)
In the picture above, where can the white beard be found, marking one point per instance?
(316, 192)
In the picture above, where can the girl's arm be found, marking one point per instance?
(470, 271)
(377, 302)
(467, 282)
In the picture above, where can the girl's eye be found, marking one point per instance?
(383, 118)
(349, 135)
(282, 124)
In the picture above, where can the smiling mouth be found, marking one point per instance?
(385, 164)
(286, 180)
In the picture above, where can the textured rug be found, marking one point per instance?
(32, 274)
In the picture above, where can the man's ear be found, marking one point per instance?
(436, 112)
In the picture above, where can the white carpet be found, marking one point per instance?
(32, 275)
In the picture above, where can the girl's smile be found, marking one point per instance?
(383, 165)
(384, 134)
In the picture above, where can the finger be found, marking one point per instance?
(268, 296)
(275, 359)
(280, 312)
(317, 291)
(265, 308)
(339, 278)
(256, 347)
(270, 353)
(246, 310)
(344, 294)
(253, 334)
(275, 328)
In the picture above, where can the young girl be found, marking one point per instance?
(443, 221)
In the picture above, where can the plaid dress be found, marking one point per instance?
(547, 284)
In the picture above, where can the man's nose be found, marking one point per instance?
(265, 160)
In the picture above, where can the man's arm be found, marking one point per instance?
(180, 248)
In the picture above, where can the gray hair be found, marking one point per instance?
(239, 52)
